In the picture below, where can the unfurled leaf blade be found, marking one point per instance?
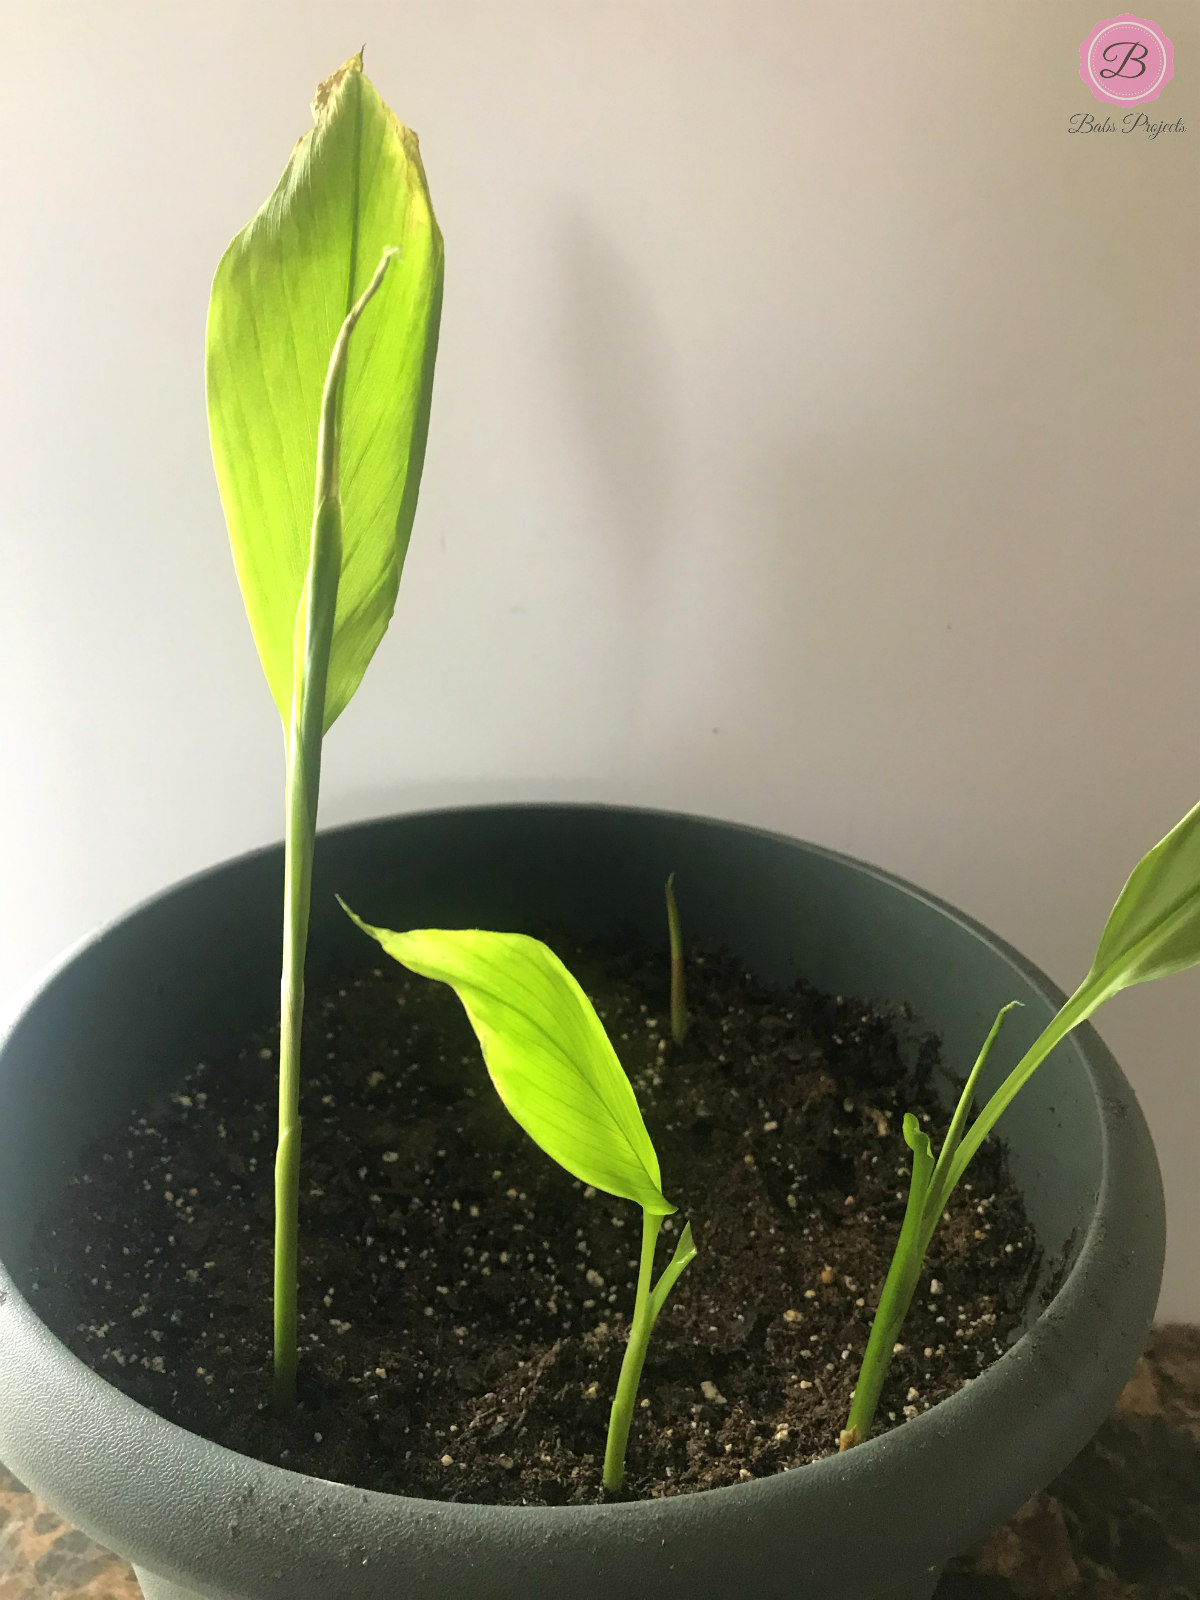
(354, 186)
(546, 1052)
(1154, 928)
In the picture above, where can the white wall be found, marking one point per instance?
(814, 444)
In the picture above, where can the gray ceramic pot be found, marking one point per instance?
(196, 968)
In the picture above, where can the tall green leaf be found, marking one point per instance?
(354, 186)
(546, 1052)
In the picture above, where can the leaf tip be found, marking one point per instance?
(354, 917)
(328, 87)
(915, 1137)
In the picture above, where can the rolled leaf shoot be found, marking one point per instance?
(1152, 931)
(679, 1011)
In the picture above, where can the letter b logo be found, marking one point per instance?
(1126, 60)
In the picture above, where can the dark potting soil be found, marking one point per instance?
(465, 1303)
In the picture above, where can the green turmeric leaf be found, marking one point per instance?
(546, 1052)
(1154, 928)
(353, 187)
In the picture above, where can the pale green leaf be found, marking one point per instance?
(354, 186)
(546, 1052)
(1154, 928)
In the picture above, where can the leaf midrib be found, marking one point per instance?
(355, 227)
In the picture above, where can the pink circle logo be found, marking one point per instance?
(1126, 60)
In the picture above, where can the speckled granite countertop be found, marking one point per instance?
(1121, 1523)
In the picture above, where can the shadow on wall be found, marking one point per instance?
(723, 550)
(620, 392)
(807, 611)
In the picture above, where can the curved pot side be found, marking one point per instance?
(199, 964)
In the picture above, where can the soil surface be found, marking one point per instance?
(465, 1303)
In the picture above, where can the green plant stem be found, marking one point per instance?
(930, 1187)
(303, 785)
(940, 1188)
(684, 1255)
(898, 1290)
(315, 616)
(1078, 1008)
(679, 1012)
(962, 1110)
(635, 1356)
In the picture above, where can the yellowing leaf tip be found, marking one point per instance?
(328, 87)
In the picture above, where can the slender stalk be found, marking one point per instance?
(679, 1011)
(315, 617)
(318, 606)
(930, 1188)
(635, 1356)
(898, 1290)
(962, 1110)
(685, 1254)
(1078, 1008)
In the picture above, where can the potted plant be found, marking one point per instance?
(185, 975)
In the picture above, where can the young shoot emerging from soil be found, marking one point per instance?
(1152, 931)
(679, 1012)
(557, 1073)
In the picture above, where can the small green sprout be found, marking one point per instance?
(557, 1073)
(318, 447)
(1153, 931)
(679, 1011)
